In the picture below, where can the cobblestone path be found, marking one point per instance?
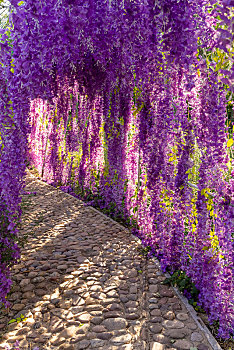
(83, 283)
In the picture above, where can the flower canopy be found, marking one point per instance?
(127, 103)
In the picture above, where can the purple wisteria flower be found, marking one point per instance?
(115, 102)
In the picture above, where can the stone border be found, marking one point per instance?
(201, 325)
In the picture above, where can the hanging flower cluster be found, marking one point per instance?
(116, 101)
(12, 166)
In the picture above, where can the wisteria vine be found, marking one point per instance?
(121, 103)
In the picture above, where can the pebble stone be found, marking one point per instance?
(195, 336)
(115, 323)
(182, 316)
(183, 344)
(173, 324)
(83, 283)
(157, 346)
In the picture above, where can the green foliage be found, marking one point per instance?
(144, 251)
(18, 319)
(180, 280)
(6, 253)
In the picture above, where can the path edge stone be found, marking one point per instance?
(199, 322)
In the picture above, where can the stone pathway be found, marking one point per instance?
(83, 283)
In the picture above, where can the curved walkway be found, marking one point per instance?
(83, 283)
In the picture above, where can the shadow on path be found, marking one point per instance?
(83, 283)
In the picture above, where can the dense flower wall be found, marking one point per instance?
(120, 103)
(12, 168)
(139, 162)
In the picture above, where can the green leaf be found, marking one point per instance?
(203, 191)
(230, 142)
(166, 281)
(12, 321)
